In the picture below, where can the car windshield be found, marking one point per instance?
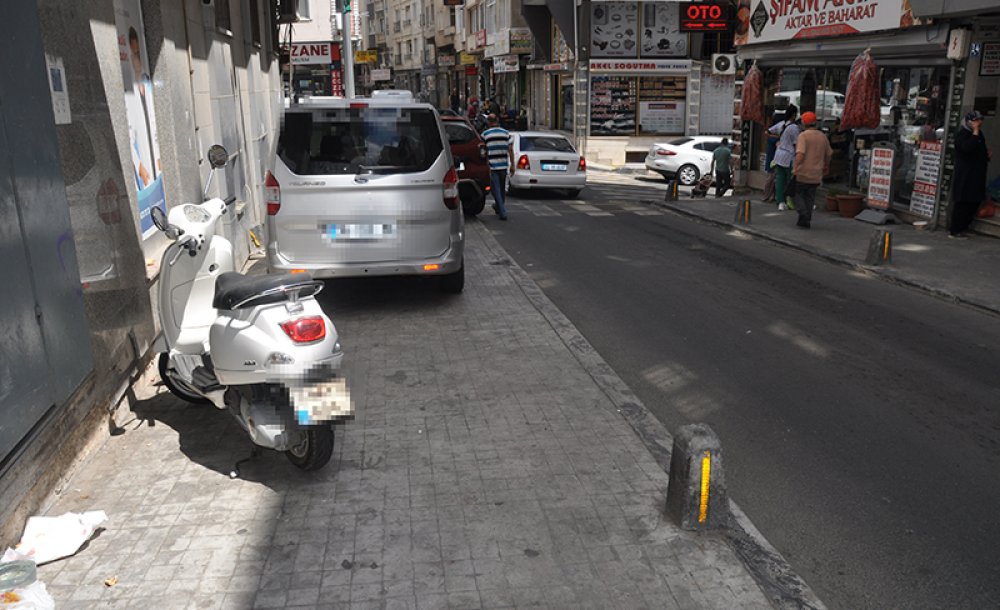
(679, 141)
(332, 141)
(547, 143)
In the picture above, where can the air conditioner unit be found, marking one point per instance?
(723, 63)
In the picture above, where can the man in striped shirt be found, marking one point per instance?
(500, 156)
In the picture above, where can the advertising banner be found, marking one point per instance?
(661, 36)
(140, 113)
(521, 41)
(311, 53)
(505, 63)
(614, 29)
(446, 60)
(925, 179)
(637, 66)
(773, 20)
(467, 59)
(661, 117)
(880, 178)
(366, 57)
(381, 74)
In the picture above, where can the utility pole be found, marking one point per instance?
(347, 49)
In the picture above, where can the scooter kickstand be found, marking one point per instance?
(235, 472)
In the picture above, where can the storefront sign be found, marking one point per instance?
(990, 64)
(521, 41)
(304, 53)
(505, 63)
(880, 178)
(703, 17)
(555, 67)
(925, 179)
(428, 70)
(366, 57)
(661, 117)
(481, 38)
(774, 20)
(614, 29)
(641, 66)
(446, 60)
(471, 70)
(467, 59)
(381, 74)
(661, 32)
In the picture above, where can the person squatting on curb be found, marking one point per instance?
(721, 166)
(498, 148)
(971, 158)
(812, 162)
(784, 156)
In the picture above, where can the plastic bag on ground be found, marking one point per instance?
(46, 539)
(32, 597)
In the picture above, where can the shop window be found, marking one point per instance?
(662, 104)
(612, 105)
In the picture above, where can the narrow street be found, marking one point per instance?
(858, 419)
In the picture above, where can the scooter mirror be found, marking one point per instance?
(159, 217)
(217, 156)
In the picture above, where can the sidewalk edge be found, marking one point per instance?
(772, 573)
(880, 272)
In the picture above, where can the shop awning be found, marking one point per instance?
(562, 12)
(952, 8)
(897, 47)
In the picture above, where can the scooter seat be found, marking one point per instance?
(231, 288)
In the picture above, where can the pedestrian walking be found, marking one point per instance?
(500, 155)
(454, 101)
(971, 158)
(721, 159)
(784, 156)
(812, 162)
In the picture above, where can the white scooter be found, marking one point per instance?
(259, 346)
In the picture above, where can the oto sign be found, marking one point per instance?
(703, 17)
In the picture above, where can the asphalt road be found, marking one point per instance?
(860, 421)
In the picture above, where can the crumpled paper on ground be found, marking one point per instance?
(46, 539)
(32, 597)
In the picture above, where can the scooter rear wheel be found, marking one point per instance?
(179, 389)
(315, 449)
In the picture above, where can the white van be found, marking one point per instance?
(365, 186)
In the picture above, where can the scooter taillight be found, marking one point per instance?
(272, 194)
(305, 330)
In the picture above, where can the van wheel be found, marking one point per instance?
(179, 388)
(453, 283)
(314, 449)
(475, 207)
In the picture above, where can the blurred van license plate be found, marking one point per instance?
(361, 231)
(553, 167)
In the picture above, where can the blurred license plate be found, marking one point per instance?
(554, 167)
(361, 231)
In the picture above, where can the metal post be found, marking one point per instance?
(933, 224)
(347, 51)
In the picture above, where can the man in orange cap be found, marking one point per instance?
(812, 162)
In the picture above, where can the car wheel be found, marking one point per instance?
(454, 283)
(573, 193)
(688, 175)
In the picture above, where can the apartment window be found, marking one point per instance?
(491, 16)
(222, 19)
(451, 16)
(304, 9)
(254, 8)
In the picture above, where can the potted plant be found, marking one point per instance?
(850, 204)
(831, 199)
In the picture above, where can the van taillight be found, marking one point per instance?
(582, 165)
(272, 194)
(522, 163)
(451, 199)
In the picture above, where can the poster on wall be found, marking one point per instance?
(614, 29)
(925, 179)
(717, 104)
(140, 113)
(660, 31)
(661, 117)
(990, 63)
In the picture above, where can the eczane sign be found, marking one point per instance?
(312, 53)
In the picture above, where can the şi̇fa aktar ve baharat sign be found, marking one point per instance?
(774, 20)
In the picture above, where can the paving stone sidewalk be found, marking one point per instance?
(485, 469)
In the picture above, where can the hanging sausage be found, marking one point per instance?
(862, 106)
(752, 103)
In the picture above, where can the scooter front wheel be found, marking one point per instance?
(314, 449)
(179, 388)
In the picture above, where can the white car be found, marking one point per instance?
(688, 158)
(546, 160)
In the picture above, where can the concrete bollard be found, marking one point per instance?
(696, 494)
(672, 191)
(742, 215)
(879, 247)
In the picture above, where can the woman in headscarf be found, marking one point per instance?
(969, 179)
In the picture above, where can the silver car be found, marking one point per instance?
(365, 186)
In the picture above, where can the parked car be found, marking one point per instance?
(469, 152)
(688, 158)
(365, 186)
(546, 160)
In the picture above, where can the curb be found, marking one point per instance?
(879, 272)
(772, 573)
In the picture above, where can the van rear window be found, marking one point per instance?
(331, 141)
